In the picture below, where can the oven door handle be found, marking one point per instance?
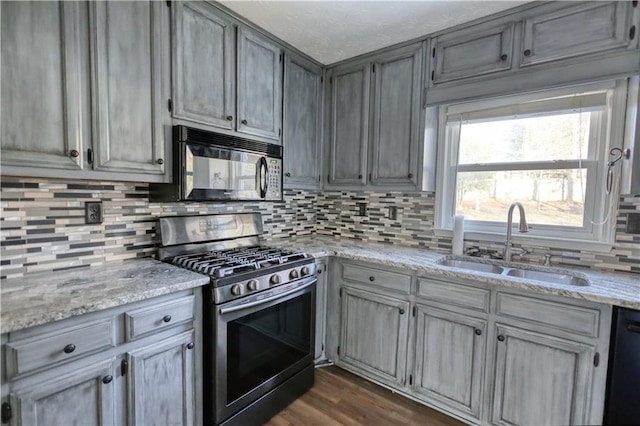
(224, 311)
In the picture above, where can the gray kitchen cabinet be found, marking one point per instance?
(302, 122)
(348, 137)
(128, 107)
(374, 334)
(469, 52)
(204, 77)
(84, 396)
(396, 129)
(449, 359)
(540, 379)
(43, 85)
(259, 86)
(321, 310)
(581, 29)
(162, 382)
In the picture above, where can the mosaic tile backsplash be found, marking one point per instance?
(42, 224)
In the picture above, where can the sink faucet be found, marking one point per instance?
(506, 254)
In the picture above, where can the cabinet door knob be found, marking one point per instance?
(359, 176)
(410, 175)
(107, 379)
(500, 338)
(74, 153)
(190, 345)
(401, 311)
(160, 161)
(229, 117)
(69, 348)
(166, 318)
(244, 122)
(372, 278)
(319, 271)
(478, 332)
(504, 57)
(527, 52)
(287, 174)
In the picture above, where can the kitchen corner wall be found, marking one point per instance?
(42, 222)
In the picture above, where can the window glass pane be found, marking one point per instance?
(550, 197)
(541, 138)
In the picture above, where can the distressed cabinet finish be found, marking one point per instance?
(302, 122)
(42, 78)
(374, 334)
(203, 65)
(450, 358)
(259, 86)
(583, 29)
(321, 309)
(161, 384)
(470, 52)
(349, 124)
(396, 117)
(127, 62)
(82, 397)
(540, 379)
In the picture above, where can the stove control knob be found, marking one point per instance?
(293, 274)
(275, 279)
(236, 289)
(252, 285)
(304, 271)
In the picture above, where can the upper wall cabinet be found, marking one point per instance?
(302, 122)
(375, 115)
(472, 51)
(128, 108)
(42, 85)
(208, 89)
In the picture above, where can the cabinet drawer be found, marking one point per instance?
(574, 319)
(61, 345)
(376, 277)
(141, 321)
(454, 294)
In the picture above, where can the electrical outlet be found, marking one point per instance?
(362, 209)
(93, 212)
(393, 212)
(633, 223)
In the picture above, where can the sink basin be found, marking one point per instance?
(474, 266)
(550, 277)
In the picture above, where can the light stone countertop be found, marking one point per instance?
(46, 297)
(620, 289)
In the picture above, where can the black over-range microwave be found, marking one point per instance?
(210, 166)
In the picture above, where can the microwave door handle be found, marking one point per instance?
(263, 179)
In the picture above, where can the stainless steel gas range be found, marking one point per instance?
(258, 315)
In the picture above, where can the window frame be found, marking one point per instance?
(605, 133)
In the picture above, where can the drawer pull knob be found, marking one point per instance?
(527, 52)
(401, 311)
(500, 338)
(478, 332)
(504, 57)
(372, 279)
(244, 122)
(160, 161)
(166, 318)
(69, 348)
(190, 345)
(229, 117)
(74, 153)
(107, 379)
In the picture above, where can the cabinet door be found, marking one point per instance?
(42, 85)
(471, 52)
(259, 86)
(127, 78)
(84, 397)
(162, 382)
(302, 122)
(450, 357)
(588, 27)
(396, 123)
(540, 379)
(203, 65)
(374, 334)
(349, 131)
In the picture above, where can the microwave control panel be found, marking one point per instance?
(274, 178)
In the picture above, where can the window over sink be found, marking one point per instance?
(548, 150)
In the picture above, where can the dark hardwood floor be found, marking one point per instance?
(342, 398)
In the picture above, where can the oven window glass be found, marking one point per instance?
(262, 344)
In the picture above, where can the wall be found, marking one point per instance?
(42, 222)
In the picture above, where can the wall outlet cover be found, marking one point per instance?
(93, 212)
(633, 223)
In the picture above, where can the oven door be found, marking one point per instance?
(260, 343)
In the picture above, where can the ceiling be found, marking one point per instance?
(330, 31)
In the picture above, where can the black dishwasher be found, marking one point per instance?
(623, 381)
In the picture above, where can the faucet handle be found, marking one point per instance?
(472, 251)
(547, 259)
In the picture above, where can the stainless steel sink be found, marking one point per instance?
(551, 277)
(474, 266)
